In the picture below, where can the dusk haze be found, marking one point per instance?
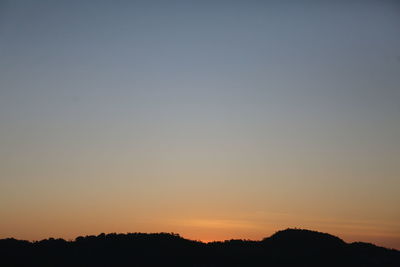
(215, 120)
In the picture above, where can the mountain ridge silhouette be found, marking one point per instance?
(290, 247)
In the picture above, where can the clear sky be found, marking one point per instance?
(212, 119)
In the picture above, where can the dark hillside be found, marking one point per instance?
(291, 247)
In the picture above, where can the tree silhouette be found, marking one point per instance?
(291, 247)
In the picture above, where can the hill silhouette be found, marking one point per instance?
(291, 247)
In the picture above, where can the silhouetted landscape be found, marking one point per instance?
(291, 247)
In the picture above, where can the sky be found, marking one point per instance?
(211, 119)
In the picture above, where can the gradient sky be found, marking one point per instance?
(212, 119)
